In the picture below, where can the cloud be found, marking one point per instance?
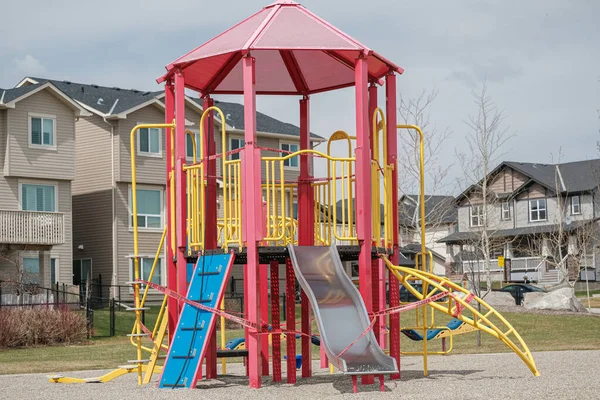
(29, 65)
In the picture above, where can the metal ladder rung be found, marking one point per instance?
(137, 361)
(217, 272)
(184, 357)
(194, 328)
(205, 300)
(137, 308)
(137, 334)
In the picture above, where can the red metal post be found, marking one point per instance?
(252, 223)
(306, 234)
(374, 263)
(180, 182)
(392, 146)
(275, 322)
(172, 305)
(210, 241)
(290, 319)
(363, 188)
(264, 312)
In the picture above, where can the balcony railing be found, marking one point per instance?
(31, 227)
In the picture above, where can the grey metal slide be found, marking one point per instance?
(340, 312)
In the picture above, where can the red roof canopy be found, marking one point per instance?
(296, 52)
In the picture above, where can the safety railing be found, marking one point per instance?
(137, 330)
(381, 178)
(279, 197)
(195, 192)
(232, 203)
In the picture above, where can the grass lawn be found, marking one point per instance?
(594, 302)
(583, 293)
(540, 332)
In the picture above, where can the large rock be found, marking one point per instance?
(562, 299)
(499, 299)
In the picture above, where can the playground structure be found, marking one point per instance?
(284, 49)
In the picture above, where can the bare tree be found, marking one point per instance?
(15, 275)
(417, 111)
(486, 140)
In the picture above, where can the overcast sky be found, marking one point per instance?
(541, 59)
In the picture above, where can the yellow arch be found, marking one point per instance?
(459, 304)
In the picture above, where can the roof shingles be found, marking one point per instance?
(116, 100)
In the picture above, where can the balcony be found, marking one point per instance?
(31, 227)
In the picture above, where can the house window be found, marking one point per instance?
(236, 144)
(295, 210)
(149, 209)
(575, 205)
(292, 148)
(81, 270)
(537, 210)
(189, 145)
(146, 267)
(476, 214)
(41, 132)
(38, 197)
(149, 143)
(31, 270)
(505, 211)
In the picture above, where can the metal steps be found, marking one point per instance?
(195, 326)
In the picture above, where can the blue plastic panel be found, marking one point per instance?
(194, 326)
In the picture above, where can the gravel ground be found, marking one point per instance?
(564, 375)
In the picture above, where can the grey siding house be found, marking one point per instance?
(102, 231)
(37, 155)
(543, 218)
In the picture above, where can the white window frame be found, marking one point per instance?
(56, 269)
(42, 146)
(284, 154)
(150, 257)
(238, 155)
(35, 255)
(197, 137)
(38, 183)
(503, 211)
(149, 154)
(479, 216)
(538, 210)
(578, 205)
(162, 209)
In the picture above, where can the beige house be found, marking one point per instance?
(102, 231)
(37, 155)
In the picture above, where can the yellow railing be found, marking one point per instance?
(324, 223)
(232, 203)
(381, 174)
(281, 226)
(195, 191)
(136, 258)
(278, 194)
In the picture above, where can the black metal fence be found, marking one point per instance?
(105, 306)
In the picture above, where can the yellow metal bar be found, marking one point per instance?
(102, 379)
(223, 339)
(136, 261)
(158, 340)
(462, 301)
